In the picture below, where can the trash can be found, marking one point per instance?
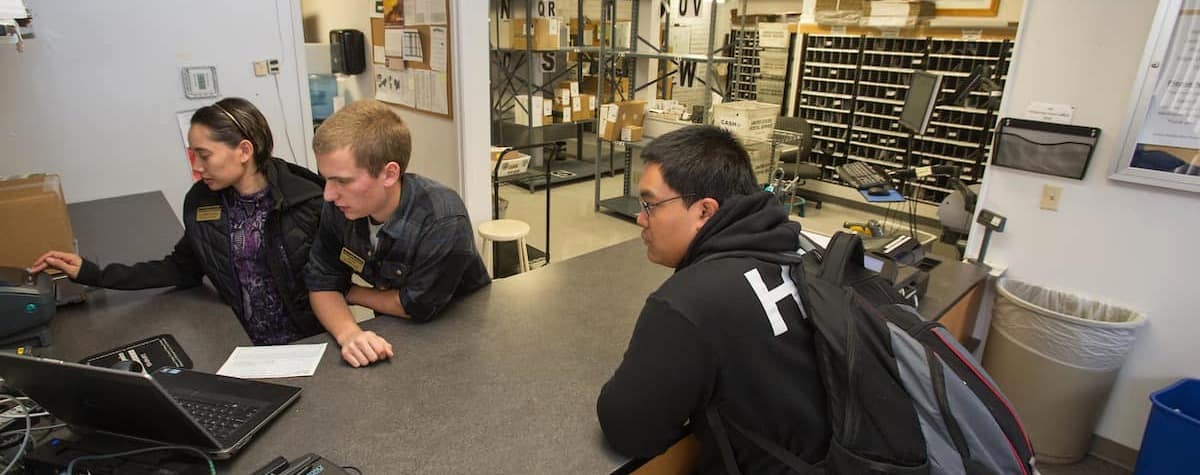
(1056, 357)
(1173, 431)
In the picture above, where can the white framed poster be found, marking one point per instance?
(1162, 133)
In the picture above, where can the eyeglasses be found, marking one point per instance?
(649, 207)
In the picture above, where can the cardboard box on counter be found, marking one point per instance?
(33, 219)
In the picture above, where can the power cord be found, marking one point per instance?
(279, 95)
(24, 441)
(212, 469)
(351, 467)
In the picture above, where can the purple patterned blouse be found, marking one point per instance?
(264, 317)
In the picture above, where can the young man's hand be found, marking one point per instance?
(64, 261)
(361, 348)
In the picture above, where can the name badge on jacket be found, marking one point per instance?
(351, 259)
(208, 213)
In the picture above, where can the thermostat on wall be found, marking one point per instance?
(200, 82)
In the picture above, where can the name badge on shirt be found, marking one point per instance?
(208, 213)
(351, 259)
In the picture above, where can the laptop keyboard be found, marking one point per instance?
(222, 419)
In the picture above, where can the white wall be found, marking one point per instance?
(94, 97)
(1126, 244)
(338, 15)
(435, 139)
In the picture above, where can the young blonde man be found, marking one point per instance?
(405, 234)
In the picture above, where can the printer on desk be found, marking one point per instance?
(27, 301)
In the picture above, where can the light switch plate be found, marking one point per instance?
(1051, 196)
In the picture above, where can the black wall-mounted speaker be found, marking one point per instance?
(347, 54)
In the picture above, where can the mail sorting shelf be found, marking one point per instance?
(854, 88)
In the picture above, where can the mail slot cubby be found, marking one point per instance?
(890, 93)
(829, 133)
(828, 72)
(808, 98)
(827, 56)
(828, 116)
(897, 144)
(878, 108)
(984, 48)
(950, 131)
(960, 116)
(889, 60)
(886, 159)
(896, 45)
(833, 42)
(885, 76)
(943, 149)
(878, 123)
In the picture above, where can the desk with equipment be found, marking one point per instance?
(505, 381)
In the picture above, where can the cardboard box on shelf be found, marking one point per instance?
(501, 33)
(33, 219)
(589, 84)
(542, 111)
(563, 94)
(839, 12)
(614, 117)
(589, 32)
(583, 107)
(631, 133)
(897, 13)
(548, 33)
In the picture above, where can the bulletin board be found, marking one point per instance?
(415, 70)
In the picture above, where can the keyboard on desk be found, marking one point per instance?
(861, 176)
(222, 419)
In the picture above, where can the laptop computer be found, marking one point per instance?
(216, 414)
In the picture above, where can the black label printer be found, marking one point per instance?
(27, 302)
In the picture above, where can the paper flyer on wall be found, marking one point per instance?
(1174, 116)
(437, 47)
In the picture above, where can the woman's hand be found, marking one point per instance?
(64, 261)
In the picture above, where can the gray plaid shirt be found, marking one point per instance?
(426, 250)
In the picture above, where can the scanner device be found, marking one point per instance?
(26, 306)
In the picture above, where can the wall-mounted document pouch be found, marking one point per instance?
(1045, 147)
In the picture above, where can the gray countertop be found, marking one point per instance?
(505, 381)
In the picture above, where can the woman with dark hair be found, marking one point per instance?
(248, 227)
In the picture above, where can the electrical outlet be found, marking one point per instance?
(273, 66)
(260, 68)
(1051, 195)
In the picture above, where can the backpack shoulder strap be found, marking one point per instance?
(716, 422)
(842, 259)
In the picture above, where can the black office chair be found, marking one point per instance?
(796, 161)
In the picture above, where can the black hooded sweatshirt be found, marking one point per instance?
(705, 337)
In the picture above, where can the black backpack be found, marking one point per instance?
(903, 396)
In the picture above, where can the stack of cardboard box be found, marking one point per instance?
(838, 12)
(898, 13)
(615, 118)
(574, 105)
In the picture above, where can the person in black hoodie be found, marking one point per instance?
(726, 332)
(248, 226)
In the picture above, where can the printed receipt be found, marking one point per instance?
(279, 361)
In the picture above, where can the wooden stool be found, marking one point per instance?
(504, 230)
